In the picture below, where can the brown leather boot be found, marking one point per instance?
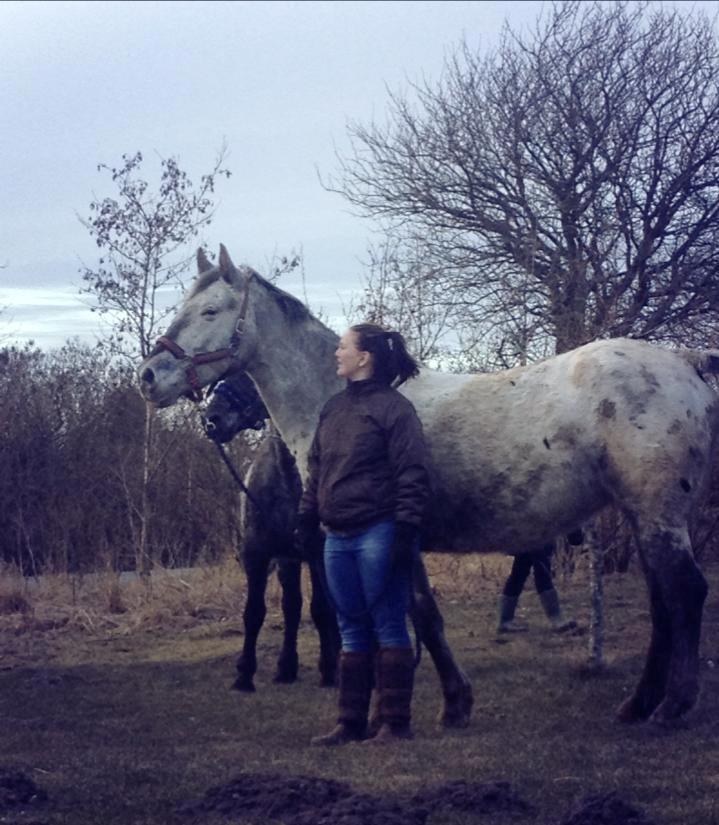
(355, 687)
(395, 677)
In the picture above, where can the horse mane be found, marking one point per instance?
(293, 309)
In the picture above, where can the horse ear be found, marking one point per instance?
(203, 263)
(226, 265)
(227, 268)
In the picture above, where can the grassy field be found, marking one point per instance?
(117, 703)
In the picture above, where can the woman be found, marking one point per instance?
(368, 485)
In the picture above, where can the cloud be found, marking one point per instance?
(48, 316)
(24, 297)
(86, 82)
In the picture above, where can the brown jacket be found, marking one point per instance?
(368, 460)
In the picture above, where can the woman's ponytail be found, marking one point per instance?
(392, 361)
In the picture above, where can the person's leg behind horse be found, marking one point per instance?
(521, 568)
(548, 596)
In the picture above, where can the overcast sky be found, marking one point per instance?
(82, 83)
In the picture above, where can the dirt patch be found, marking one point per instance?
(17, 790)
(301, 800)
(269, 796)
(361, 809)
(478, 798)
(19, 798)
(606, 809)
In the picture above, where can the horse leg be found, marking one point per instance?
(289, 574)
(325, 620)
(256, 569)
(669, 685)
(684, 590)
(456, 687)
(596, 595)
(652, 684)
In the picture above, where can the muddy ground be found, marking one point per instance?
(304, 800)
(129, 719)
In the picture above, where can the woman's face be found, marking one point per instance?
(352, 363)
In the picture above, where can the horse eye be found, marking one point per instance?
(209, 312)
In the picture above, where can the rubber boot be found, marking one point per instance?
(355, 686)
(553, 610)
(395, 683)
(507, 606)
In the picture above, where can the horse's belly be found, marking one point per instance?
(512, 506)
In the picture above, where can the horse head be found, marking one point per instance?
(235, 406)
(206, 337)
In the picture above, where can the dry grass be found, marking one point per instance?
(122, 716)
(104, 602)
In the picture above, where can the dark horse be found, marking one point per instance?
(268, 520)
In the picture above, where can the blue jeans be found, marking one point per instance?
(371, 598)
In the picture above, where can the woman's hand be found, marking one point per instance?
(404, 545)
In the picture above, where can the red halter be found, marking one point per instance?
(192, 361)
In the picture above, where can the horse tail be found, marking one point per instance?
(703, 360)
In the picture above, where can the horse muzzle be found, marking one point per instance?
(159, 385)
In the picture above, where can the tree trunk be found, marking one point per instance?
(144, 550)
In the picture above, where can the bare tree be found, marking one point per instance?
(143, 234)
(400, 290)
(575, 171)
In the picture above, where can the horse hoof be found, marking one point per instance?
(328, 682)
(454, 721)
(670, 713)
(284, 678)
(668, 723)
(632, 711)
(243, 685)
(458, 715)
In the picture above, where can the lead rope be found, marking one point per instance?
(233, 472)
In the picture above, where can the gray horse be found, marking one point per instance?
(519, 456)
